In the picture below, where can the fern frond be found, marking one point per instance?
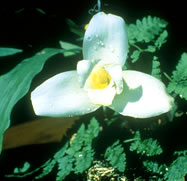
(181, 153)
(161, 39)
(116, 156)
(148, 147)
(47, 169)
(179, 78)
(146, 29)
(177, 170)
(155, 167)
(76, 156)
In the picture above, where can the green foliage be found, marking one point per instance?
(16, 83)
(69, 48)
(154, 167)
(148, 147)
(177, 170)
(149, 32)
(181, 153)
(74, 28)
(135, 55)
(146, 29)
(8, 51)
(161, 39)
(178, 83)
(47, 168)
(156, 72)
(116, 156)
(65, 166)
(23, 169)
(76, 156)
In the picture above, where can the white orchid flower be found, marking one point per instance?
(100, 81)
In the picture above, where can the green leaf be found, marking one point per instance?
(116, 156)
(177, 170)
(70, 49)
(181, 153)
(154, 167)
(65, 166)
(74, 28)
(9, 51)
(148, 147)
(50, 164)
(84, 155)
(161, 39)
(16, 83)
(151, 49)
(146, 29)
(77, 141)
(77, 156)
(23, 169)
(83, 159)
(92, 131)
(156, 72)
(135, 55)
(179, 78)
(48, 167)
(41, 11)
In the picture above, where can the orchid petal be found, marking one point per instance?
(106, 39)
(61, 96)
(143, 96)
(84, 68)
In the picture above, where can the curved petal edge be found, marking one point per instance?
(61, 96)
(143, 96)
(106, 39)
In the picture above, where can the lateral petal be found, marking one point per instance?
(143, 96)
(61, 96)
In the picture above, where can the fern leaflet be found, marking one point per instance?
(179, 78)
(116, 156)
(148, 147)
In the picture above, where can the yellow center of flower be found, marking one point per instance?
(100, 79)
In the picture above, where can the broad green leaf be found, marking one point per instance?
(16, 83)
(9, 51)
(70, 49)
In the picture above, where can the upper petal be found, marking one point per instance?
(61, 96)
(106, 39)
(143, 96)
